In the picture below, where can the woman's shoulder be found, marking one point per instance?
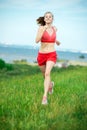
(54, 27)
(41, 27)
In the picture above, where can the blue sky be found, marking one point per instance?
(18, 21)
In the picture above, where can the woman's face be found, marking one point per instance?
(48, 18)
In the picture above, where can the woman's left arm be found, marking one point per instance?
(57, 42)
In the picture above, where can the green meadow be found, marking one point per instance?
(21, 91)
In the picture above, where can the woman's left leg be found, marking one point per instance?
(47, 80)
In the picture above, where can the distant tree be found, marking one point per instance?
(2, 64)
(82, 56)
(5, 65)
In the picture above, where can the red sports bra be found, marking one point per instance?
(46, 37)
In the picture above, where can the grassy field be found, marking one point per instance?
(21, 91)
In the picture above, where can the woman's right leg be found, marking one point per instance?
(43, 69)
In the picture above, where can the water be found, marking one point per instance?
(11, 53)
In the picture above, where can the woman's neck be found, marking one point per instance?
(49, 25)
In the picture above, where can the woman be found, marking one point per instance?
(47, 55)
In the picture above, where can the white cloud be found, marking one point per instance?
(19, 26)
(64, 7)
(28, 4)
(38, 4)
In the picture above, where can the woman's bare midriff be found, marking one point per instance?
(46, 47)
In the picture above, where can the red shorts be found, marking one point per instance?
(42, 58)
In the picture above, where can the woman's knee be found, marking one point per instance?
(47, 73)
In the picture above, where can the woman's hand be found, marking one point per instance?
(40, 33)
(58, 43)
(45, 27)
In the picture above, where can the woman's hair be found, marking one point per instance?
(41, 21)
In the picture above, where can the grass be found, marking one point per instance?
(21, 91)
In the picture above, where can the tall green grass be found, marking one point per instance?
(21, 91)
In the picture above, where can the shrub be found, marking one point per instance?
(9, 66)
(2, 64)
(5, 65)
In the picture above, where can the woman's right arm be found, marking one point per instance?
(40, 33)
